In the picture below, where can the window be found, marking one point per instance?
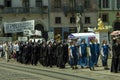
(38, 3)
(72, 20)
(58, 20)
(8, 3)
(72, 29)
(105, 3)
(104, 17)
(87, 20)
(118, 4)
(72, 3)
(99, 3)
(57, 3)
(26, 3)
(87, 4)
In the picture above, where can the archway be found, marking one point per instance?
(39, 27)
(117, 25)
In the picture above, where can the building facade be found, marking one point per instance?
(58, 16)
(89, 18)
(63, 16)
(23, 10)
(109, 11)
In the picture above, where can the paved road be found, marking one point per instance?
(16, 71)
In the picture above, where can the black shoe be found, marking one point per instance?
(90, 68)
(76, 67)
(82, 67)
(73, 68)
(106, 68)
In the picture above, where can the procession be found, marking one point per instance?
(54, 53)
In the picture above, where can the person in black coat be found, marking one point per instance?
(65, 52)
(42, 54)
(55, 45)
(60, 56)
(115, 65)
(49, 54)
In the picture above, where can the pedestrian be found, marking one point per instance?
(73, 55)
(7, 51)
(97, 52)
(115, 64)
(92, 55)
(83, 54)
(49, 54)
(105, 49)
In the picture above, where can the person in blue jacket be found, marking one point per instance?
(104, 51)
(92, 55)
(83, 54)
(73, 55)
(97, 52)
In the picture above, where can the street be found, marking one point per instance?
(16, 71)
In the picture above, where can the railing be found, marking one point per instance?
(76, 9)
(20, 10)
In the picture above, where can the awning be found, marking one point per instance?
(115, 33)
(78, 35)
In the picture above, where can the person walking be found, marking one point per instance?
(116, 56)
(73, 55)
(7, 51)
(104, 52)
(97, 52)
(83, 54)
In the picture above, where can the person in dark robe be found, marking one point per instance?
(29, 52)
(49, 54)
(24, 54)
(60, 56)
(65, 52)
(115, 65)
(21, 51)
(55, 53)
(34, 54)
(43, 54)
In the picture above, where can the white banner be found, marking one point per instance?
(18, 26)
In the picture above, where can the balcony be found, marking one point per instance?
(23, 10)
(76, 9)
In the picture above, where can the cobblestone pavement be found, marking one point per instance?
(16, 71)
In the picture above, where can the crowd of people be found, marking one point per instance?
(53, 53)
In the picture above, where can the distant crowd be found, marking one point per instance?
(73, 52)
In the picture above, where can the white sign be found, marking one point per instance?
(32, 33)
(22, 38)
(18, 26)
(50, 35)
(102, 36)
